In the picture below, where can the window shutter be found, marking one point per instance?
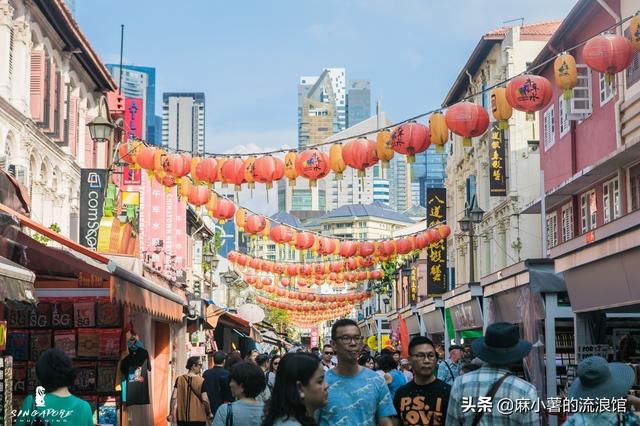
(36, 82)
(60, 113)
(72, 126)
(88, 145)
(581, 104)
(548, 128)
(51, 100)
(11, 43)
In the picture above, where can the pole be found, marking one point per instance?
(472, 275)
(121, 51)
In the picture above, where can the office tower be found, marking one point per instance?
(183, 121)
(358, 102)
(301, 197)
(381, 186)
(321, 106)
(140, 82)
(427, 172)
(399, 174)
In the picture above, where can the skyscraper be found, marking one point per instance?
(140, 82)
(321, 106)
(183, 121)
(399, 175)
(427, 172)
(358, 102)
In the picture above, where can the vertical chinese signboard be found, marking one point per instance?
(92, 186)
(497, 172)
(413, 286)
(436, 252)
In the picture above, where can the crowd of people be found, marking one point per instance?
(344, 384)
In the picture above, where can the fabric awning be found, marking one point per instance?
(230, 320)
(16, 283)
(413, 324)
(212, 314)
(133, 290)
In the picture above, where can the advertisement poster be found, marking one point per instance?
(92, 187)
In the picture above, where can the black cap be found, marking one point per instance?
(452, 347)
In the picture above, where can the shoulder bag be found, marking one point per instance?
(229, 419)
(492, 392)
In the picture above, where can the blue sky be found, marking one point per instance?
(247, 56)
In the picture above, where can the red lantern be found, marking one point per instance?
(199, 195)
(361, 155)
(304, 240)
(367, 248)
(166, 181)
(301, 283)
(348, 248)
(243, 259)
(467, 120)
(376, 275)
(146, 158)
(250, 279)
(266, 281)
(254, 263)
(177, 165)
(404, 246)
(351, 264)
(255, 223)
(268, 169)
(313, 165)
(207, 170)
(285, 281)
(444, 231)
(529, 93)
(128, 152)
(306, 270)
(389, 248)
(232, 256)
(233, 172)
(224, 210)
(292, 270)
(608, 54)
(433, 236)
(336, 267)
(280, 234)
(410, 139)
(421, 241)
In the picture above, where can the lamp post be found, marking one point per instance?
(472, 215)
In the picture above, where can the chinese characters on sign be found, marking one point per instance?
(497, 172)
(436, 252)
(413, 287)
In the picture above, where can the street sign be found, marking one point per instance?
(92, 187)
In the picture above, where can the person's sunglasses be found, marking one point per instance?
(328, 353)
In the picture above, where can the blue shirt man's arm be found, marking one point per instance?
(385, 406)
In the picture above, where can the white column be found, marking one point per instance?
(6, 22)
(21, 66)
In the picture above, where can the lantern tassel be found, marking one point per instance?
(531, 116)
(411, 159)
(503, 124)
(439, 149)
(567, 94)
(466, 142)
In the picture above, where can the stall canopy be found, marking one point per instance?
(16, 283)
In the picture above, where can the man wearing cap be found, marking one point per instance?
(449, 370)
(500, 347)
(599, 380)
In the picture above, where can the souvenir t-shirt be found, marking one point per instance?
(58, 410)
(135, 368)
(424, 405)
(356, 400)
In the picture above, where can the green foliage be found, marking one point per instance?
(385, 285)
(279, 318)
(42, 239)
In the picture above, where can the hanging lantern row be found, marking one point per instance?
(300, 269)
(295, 307)
(304, 279)
(308, 297)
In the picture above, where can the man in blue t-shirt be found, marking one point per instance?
(357, 395)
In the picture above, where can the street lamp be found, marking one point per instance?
(472, 215)
(101, 127)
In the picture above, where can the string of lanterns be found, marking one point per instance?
(305, 296)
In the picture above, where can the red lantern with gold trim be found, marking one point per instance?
(410, 139)
(280, 234)
(255, 223)
(608, 54)
(529, 93)
(268, 169)
(361, 155)
(177, 165)
(313, 165)
(224, 210)
(198, 195)
(233, 172)
(467, 120)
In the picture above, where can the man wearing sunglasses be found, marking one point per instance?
(357, 395)
(327, 355)
(424, 400)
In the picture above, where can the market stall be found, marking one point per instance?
(463, 314)
(431, 312)
(411, 318)
(533, 296)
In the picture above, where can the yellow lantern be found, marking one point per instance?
(383, 147)
(220, 161)
(185, 189)
(316, 246)
(294, 233)
(194, 164)
(290, 167)
(439, 131)
(241, 218)
(502, 110)
(566, 74)
(266, 230)
(634, 32)
(248, 171)
(335, 160)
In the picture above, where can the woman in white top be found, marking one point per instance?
(298, 392)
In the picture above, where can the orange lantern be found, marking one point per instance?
(145, 157)
(500, 108)
(224, 210)
(212, 203)
(158, 160)
(389, 248)
(128, 152)
(326, 246)
(634, 32)
(348, 248)
(233, 172)
(304, 240)
(529, 93)
(249, 171)
(268, 169)
(410, 139)
(444, 231)
(336, 162)
(383, 147)
(467, 120)
(199, 195)
(404, 246)
(255, 223)
(280, 234)
(207, 170)
(313, 165)
(366, 248)
(221, 161)
(184, 189)
(362, 154)
(241, 218)
(177, 165)
(608, 54)
(290, 167)
(565, 73)
(194, 165)
(439, 131)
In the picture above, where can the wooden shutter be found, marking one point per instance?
(59, 113)
(548, 126)
(50, 100)
(36, 85)
(72, 126)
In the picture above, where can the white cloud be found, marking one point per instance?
(247, 141)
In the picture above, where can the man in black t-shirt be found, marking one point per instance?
(216, 382)
(423, 401)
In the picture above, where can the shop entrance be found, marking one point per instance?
(161, 373)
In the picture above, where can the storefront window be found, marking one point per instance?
(611, 200)
(588, 210)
